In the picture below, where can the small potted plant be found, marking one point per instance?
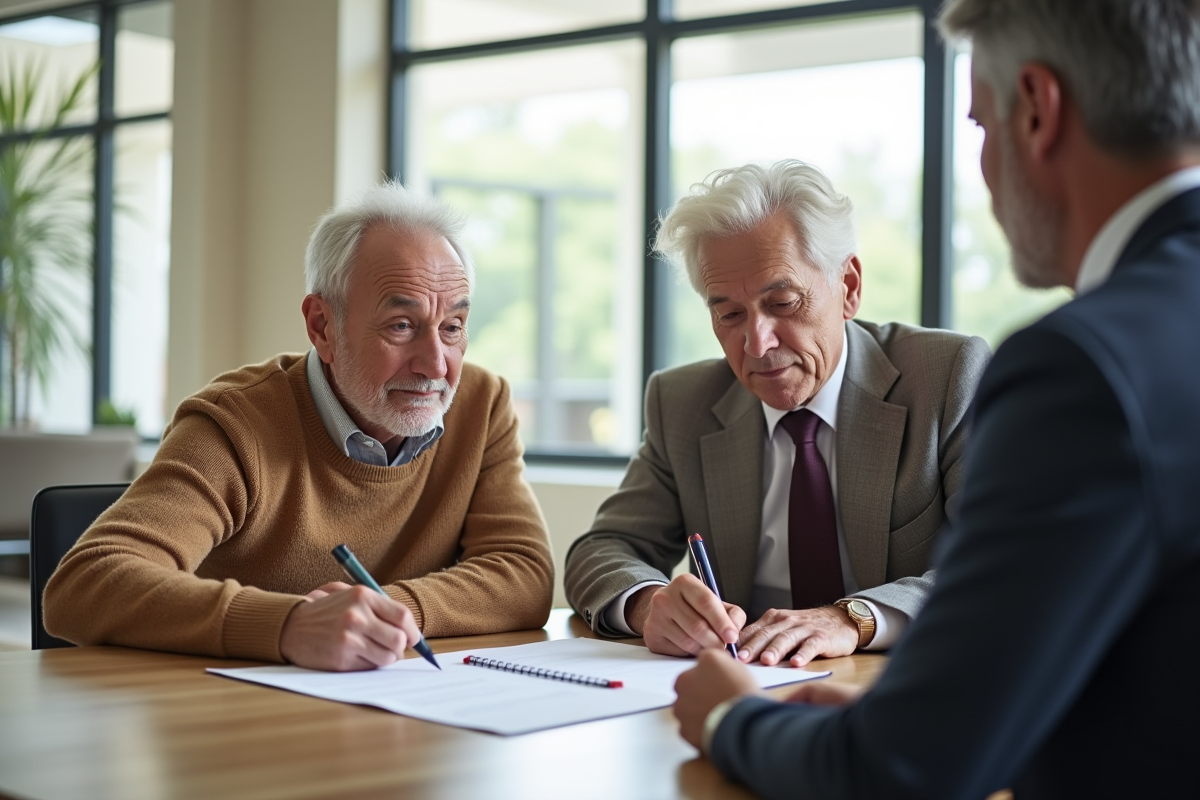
(113, 416)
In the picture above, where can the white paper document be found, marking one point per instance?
(505, 703)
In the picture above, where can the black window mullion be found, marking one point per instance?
(749, 20)
(397, 98)
(57, 10)
(937, 201)
(656, 286)
(102, 277)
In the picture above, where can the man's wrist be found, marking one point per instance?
(861, 616)
(637, 608)
(612, 618)
(713, 721)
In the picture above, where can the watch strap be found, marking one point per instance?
(864, 621)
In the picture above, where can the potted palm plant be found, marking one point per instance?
(45, 228)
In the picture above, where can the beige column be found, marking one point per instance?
(279, 113)
(207, 208)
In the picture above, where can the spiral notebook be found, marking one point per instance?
(510, 701)
(547, 673)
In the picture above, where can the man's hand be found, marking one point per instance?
(715, 679)
(683, 617)
(805, 634)
(354, 628)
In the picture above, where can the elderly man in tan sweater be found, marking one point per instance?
(222, 547)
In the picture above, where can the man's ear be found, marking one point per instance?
(320, 323)
(851, 286)
(1037, 116)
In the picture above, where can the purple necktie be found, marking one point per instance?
(813, 558)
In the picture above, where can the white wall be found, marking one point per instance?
(569, 498)
(207, 208)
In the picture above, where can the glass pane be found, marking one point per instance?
(45, 276)
(543, 153)
(446, 23)
(145, 59)
(987, 299)
(141, 258)
(61, 48)
(783, 93)
(689, 9)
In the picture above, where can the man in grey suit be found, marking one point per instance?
(818, 459)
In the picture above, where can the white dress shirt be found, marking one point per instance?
(1102, 254)
(772, 576)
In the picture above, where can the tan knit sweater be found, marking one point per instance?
(209, 550)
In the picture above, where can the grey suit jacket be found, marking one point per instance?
(900, 442)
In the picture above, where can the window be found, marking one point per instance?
(562, 128)
(769, 94)
(446, 23)
(541, 152)
(988, 301)
(115, 348)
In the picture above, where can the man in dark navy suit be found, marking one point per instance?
(1057, 652)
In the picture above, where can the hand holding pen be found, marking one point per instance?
(704, 569)
(360, 576)
(349, 628)
(684, 617)
(340, 627)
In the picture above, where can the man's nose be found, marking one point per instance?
(760, 336)
(429, 358)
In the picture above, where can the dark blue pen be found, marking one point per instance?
(700, 559)
(360, 576)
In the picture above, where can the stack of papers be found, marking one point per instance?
(505, 703)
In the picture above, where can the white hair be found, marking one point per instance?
(1132, 67)
(734, 201)
(334, 241)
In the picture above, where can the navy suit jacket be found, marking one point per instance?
(1057, 653)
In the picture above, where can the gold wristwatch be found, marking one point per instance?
(860, 614)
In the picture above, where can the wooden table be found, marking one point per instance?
(109, 722)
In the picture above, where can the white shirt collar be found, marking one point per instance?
(1110, 242)
(824, 403)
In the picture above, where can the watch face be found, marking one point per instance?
(859, 607)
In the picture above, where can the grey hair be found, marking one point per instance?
(334, 241)
(733, 201)
(1132, 67)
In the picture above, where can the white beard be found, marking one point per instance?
(1032, 226)
(400, 415)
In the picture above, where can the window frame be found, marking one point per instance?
(658, 30)
(103, 131)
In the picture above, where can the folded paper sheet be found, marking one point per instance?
(504, 703)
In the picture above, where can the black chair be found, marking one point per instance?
(60, 516)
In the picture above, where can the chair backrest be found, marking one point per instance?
(60, 516)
